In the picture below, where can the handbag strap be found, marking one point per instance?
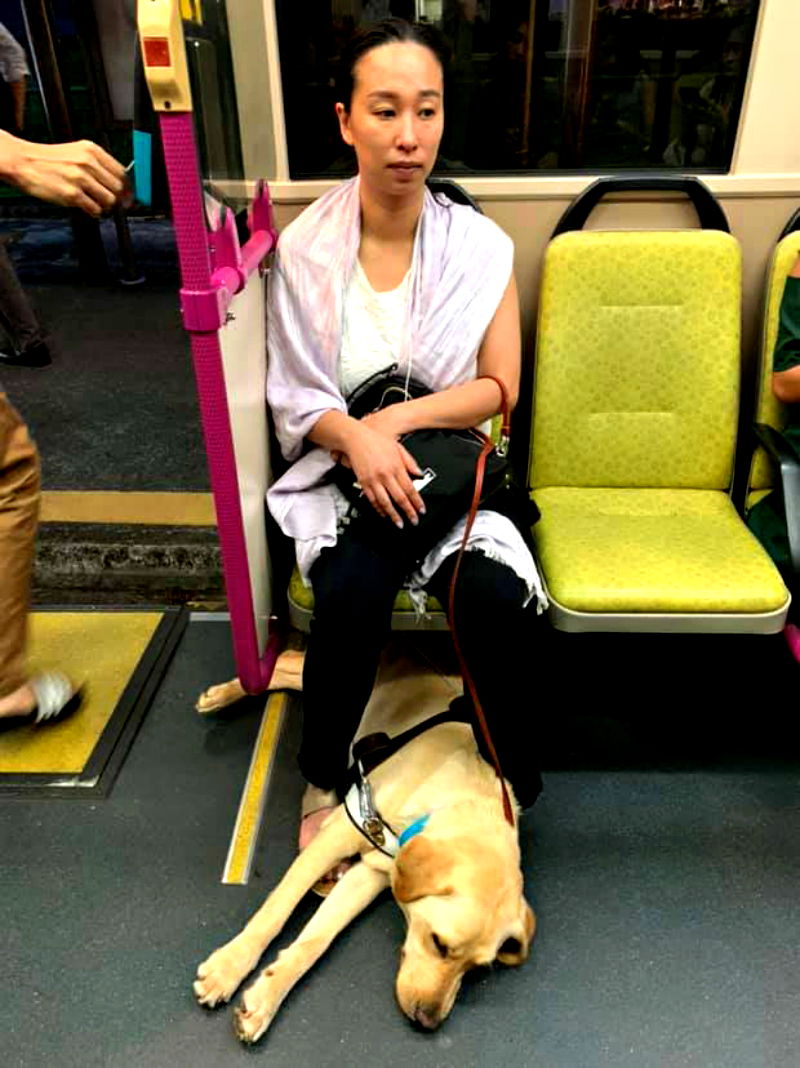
(480, 469)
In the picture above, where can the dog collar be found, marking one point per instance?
(413, 829)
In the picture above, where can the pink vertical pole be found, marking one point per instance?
(198, 291)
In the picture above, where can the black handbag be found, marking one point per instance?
(449, 461)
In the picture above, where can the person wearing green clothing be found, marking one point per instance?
(767, 519)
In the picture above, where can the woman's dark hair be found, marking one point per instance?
(387, 31)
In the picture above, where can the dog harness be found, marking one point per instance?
(359, 804)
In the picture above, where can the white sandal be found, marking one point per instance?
(56, 698)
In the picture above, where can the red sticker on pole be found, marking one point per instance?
(156, 52)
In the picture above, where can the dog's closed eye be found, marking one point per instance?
(441, 947)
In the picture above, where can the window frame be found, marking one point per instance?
(765, 160)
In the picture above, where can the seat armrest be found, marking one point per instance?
(788, 463)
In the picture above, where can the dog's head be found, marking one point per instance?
(464, 905)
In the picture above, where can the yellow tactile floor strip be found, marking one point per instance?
(100, 649)
(150, 509)
(251, 806)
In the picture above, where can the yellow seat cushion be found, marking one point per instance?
(652, 550)
(303, 597)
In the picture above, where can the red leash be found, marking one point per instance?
(480, 469)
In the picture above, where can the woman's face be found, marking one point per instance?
(396, 116)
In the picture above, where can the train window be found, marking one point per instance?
(542, 85)
(213, 94)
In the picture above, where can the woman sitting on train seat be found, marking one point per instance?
(767, 519)
(379, 272)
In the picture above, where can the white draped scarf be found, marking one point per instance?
(460, 268)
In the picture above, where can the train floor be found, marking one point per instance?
(662, 861)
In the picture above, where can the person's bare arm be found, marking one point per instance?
(77, 174)
(786, 384)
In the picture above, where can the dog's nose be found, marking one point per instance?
(428, 1020)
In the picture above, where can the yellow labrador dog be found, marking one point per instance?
(457, 880)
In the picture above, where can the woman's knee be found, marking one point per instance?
(351, 596)
(488, 588)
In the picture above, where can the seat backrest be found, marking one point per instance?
(453, 191)
(637, 360)
(768, 408)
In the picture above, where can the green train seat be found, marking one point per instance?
(636, 401)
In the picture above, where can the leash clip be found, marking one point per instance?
(371, 821)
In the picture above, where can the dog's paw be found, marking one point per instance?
(256, 1011)
(219, 976)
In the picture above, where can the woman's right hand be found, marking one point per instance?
(384, 470)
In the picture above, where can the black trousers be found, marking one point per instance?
(354, 590)
(17, 317)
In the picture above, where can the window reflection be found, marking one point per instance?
(542, 84)
(208, 58)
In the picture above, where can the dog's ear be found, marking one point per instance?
(515, 949)
(419, 871)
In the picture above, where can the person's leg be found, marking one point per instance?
(17, 317)
(354, 591)
(496, 635)
(18, 320)
(48, 696)
(767, 520)
(19, 509)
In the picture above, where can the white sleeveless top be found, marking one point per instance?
(372, 327)
(371, 333)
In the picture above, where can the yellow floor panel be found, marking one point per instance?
(149, 509)
(101, 649)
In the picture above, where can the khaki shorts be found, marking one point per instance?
(19, 512)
